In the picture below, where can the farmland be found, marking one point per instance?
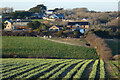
(115, 66)
(72, 41)
(24, 47)
(52, 68)
(83, 61)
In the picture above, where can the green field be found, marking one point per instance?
(73, 41)
(39, 47)
(52, 68)
(113, 44)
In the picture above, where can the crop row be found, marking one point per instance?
(115, 71)
(47, 75)
(37, 69)
(102, 69)
(63, 69)
(53, 69)
(44, 70)
(94, 70)
(80, 72)
(69, 74)
(22, 69)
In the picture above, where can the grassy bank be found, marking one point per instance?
(38, 47)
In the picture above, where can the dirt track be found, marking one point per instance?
(58, 41)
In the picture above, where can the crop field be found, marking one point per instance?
(115, 66)
(52, 68)
(24, 47)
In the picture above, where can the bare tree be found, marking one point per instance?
(6, 10)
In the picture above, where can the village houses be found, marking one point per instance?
(15, 25)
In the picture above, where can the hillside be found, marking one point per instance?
(38, 47)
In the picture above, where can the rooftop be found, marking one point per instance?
(79, 23)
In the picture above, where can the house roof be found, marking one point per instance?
(60, 15)
(80, 23)
(49, 12)
(10, 21)
(54, 26)
(53, 15)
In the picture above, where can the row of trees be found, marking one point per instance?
(20, 14)
(36, 25)
(75, 34)
(6, 10)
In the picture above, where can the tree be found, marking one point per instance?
(113, 23)
(42, 26)
(77, 33)
(3, 26)
(21, 14)
(6, 10)
(38, 9)
(60, 33)
(30, 25)
(33, 25)
(66, 28)
(36, 24)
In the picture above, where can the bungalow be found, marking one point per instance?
(82, 26)
(54, 27)
(79, 24)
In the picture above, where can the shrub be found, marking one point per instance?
(99, 44)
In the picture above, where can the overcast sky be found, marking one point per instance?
(97, 5)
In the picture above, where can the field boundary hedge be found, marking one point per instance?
(100, 45)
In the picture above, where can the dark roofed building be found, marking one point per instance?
(61, 16)
(79, 23)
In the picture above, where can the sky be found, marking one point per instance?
(100, 5)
